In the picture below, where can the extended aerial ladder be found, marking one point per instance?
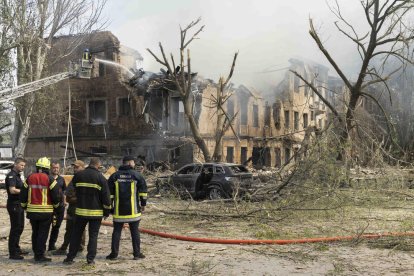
(21, 90)
(76, 70)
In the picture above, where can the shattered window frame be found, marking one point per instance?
(255, 115)
(91, 112)
(230, 154)
(243, 154)
(296, 120)
(120, 105)
(287, 119)
(305, 120)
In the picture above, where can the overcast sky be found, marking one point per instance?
(266, 33)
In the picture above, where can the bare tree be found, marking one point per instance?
(183, 80)
(387, 33)
(224, 121)
(37, 22)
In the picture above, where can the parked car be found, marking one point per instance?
(211, 180)
(5, 167)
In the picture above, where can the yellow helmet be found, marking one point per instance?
(43, 162)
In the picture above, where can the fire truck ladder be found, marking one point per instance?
(21, 90)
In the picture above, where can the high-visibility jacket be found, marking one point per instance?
(92, 194)
(86, 55)
(39, 195)
(128, 192)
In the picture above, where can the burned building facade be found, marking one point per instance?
(109, 117)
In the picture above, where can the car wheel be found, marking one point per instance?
(215, 192)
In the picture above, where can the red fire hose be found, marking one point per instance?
(292, 241)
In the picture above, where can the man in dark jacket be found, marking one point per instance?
(78, 166)
(40, 196)
(14, 184)
(129, 194)
(92, 203)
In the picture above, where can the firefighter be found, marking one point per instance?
(78, 166)
(39, 196)
(129, 195)
(92, 203)
(59, 212)
(14, 184)
(87, 55)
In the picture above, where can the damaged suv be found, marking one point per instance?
(211, 180)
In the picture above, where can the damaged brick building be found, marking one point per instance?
(109, 118)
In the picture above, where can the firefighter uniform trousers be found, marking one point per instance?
(92, 203)
(128, 192)
(116, 237)
(40, 232)
(40, 196)
(78, 229)
(70, 222)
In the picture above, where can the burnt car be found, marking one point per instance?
(211, 180)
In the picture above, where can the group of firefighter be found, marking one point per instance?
(89, 197)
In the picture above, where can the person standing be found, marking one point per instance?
(78, 166)
(92, 203)
(14, 184)
(59, 212)
(39, 196)
(129, 194)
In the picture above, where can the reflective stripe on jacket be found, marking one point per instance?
(128, 192)
(92, 193)
(39, 194)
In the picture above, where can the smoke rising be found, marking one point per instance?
(266, 33)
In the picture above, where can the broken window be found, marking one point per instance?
(287, 155)
(101, 150)
(278, 158)
(261, 156)
(276, 115)
(230, 155)
(243, 155)
(296, 154)
(287, 121)
(243, 114)
(312, 115)
(174, 155)
(219, 169)
(187, 170)
(255, 115)
(296, 120)
(97, 112)
(124, 107)
(174, 111)
(267, 116)
(305, 120)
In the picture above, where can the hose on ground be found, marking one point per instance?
(280, 242)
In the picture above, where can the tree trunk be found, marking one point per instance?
(349, 124)
(25, 127)
(188, 106)
(218, 148)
